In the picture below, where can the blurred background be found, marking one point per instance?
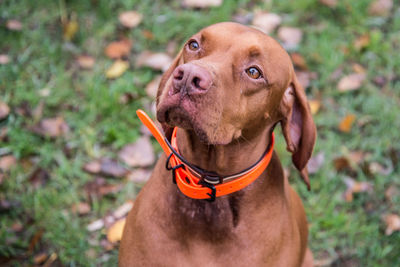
(73, 154)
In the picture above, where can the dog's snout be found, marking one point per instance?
(191, 79)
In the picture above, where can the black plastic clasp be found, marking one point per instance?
(213, 190)
(173, 169)
(212, 178)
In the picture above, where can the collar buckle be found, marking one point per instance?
(213, 193)
(211, 177)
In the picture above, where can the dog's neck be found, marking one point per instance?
(223, 159)
(212, 220)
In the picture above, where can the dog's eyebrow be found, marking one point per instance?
(254, 51)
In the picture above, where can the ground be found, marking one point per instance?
(358, 130)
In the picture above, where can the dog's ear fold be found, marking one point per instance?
(298, 127)
(167, 74)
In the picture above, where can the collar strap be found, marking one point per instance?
(197, 183)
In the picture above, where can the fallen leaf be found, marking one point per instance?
(123, 210)
(39, 177)
(112, 168)
(114, 233)
(362, 42)
(266, 22)
(358, 68)
(82, 208)
(17, 227)
(85, 62)
(51, 127)
(355, 187)
(351, 82)
(96, 225)
(128, 97)
(152, 87)
(139, 153)
(391, 192)
(299, 61)
(314, 106)
(4, 59)
(14, 25)
(201, 3)
(315, 162)
(4, 110)
(392, 223)
(99, 187)
(346, 123)
(70, 29)
(34, 240)
(118, 49)
(148, 34)
(7, 162)
(139, 176)
(329, 3)
(305, 77)
(130, 19)
(50, 260)
(117, 69)
(380, 7)
(93, 167)
(290, 36)
(157, 61)
(377, 168)
(40, 258)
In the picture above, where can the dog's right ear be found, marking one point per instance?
(164, 79)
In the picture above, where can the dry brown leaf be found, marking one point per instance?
(305, 77)
(52, 127)
(70, 29)
(266, 22)
(85, 62)
(152, 87)
(50, 260)
(112, 168)
(130, 19)
(93, 167)
(357, 68)
(329, 3)
(315, 105)
(82, 208)
(40, 258)
(39, 177)
(351, 82)
(123, 210)
(127, 97)
(346, 123)
(7, 162)
(299, 61)
(390, 192)
(157, 61)
(380, 7)
(118, 49)
(392, 223)
(114, 233)
(14, 25)
(34, 240)
(377, 168)
(4, 59)
(138, 154)
(355, 187)
(99, 187)
(17, 227)
(201, 3)
(290, 36)
(96, 225)
(148, 34)
(117, 69)
(362, 42)
(315, 163)
(139, 176)
(4, 110)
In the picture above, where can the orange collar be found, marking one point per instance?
(193, 181)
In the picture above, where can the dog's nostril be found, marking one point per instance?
(196, 82)
(179, 75)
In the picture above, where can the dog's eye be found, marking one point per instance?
(193, 45)
(253, 72)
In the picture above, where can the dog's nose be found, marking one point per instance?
(191, 79)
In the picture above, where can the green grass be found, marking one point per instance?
(349, 233)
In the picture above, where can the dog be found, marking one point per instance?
(224, 93)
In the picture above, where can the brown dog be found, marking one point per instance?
(226, 90)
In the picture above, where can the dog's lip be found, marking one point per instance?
(181, 106)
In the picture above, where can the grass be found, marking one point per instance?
(349, 233)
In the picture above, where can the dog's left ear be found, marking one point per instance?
(298, 126)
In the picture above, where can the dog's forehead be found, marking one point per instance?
(228, 35)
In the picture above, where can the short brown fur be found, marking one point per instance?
(225, 129)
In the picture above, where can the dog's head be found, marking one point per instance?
(231, 81)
